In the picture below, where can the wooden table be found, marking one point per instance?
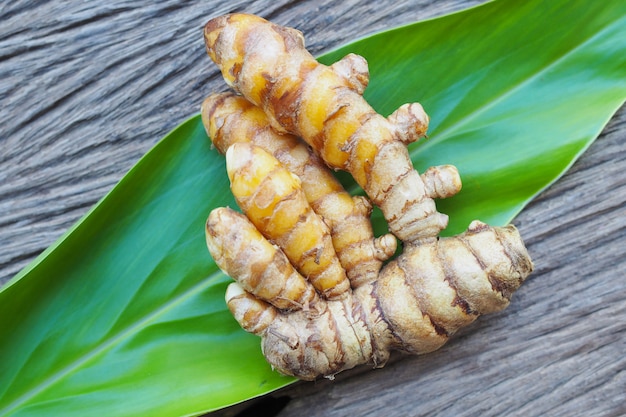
(88, 87)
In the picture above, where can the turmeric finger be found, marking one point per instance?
(266, 272)
(272, 198)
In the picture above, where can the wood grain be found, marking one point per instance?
(88, 87)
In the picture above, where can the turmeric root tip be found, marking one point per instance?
(252, 314)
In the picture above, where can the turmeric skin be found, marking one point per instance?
(419, 299)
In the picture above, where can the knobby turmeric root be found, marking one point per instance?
(291, 285)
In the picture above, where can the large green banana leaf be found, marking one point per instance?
(124, 316)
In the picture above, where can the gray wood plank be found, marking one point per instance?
(88, 87)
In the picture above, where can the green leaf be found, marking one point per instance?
(125, 314)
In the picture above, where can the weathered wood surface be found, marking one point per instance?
(88, 87)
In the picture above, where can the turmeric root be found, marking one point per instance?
(321, 326)
(229, 118)
(273, 200)
(269, 65)
(418, 301)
